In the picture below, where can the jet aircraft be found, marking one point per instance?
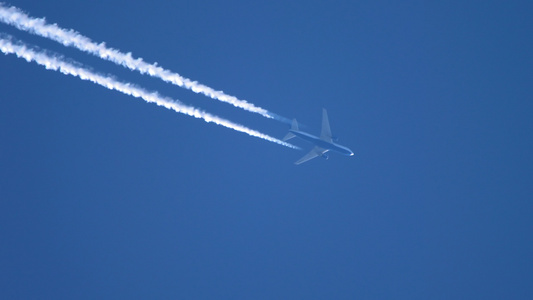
(323, 144)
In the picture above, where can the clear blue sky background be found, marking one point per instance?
(103, 196)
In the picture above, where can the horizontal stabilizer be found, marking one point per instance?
(289, 136)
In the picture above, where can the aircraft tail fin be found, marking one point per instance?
(294, 125)
(290, 135)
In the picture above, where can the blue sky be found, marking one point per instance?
(105, 196)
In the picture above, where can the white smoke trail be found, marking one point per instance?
(57, 64)
(15, 17)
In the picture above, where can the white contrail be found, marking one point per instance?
(57, 64)
(15, 17)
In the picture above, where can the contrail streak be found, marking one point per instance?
(58, 64)
(15, 17)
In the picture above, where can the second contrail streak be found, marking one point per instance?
(57, 64)
(15, 17)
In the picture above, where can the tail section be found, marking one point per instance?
(294, 125)
(290, 135)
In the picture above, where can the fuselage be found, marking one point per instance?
(322, 143)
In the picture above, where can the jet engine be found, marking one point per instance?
(325, 156)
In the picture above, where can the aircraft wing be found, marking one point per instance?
(317, 151)
(325, 134)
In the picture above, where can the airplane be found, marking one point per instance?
(323, 144)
